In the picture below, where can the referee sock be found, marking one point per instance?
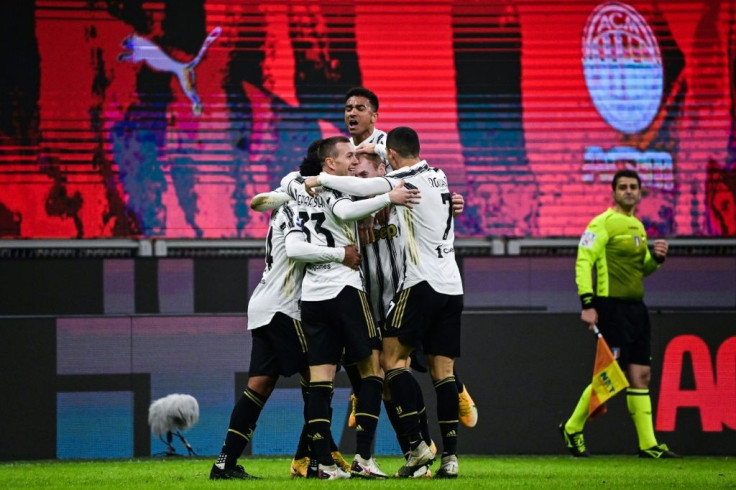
(319, 420)
(404, 395)
(393, 417)
(579, 416)
(640, 409)
(446, 391)
(366, 414)
(242, 424)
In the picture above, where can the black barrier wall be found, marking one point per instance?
(525, 372)
(88, 344)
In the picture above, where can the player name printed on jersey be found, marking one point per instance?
(428, 229)
(316, 220)
(310, 201)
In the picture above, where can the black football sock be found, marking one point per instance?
(242, 424)
(446, 391)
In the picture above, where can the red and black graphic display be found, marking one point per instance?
(161, 119)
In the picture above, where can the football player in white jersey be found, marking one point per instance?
(279, 345)
(331, 296)
(382, 262)
(361, 114)
(429, 305)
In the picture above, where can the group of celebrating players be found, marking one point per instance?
(360, 273)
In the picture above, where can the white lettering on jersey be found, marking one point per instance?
(428, 230)
(322, 227)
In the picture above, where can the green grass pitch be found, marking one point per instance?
(557, 472)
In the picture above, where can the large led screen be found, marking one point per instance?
(143, 119)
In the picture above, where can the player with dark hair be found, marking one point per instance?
(428, 306)
(335, 311)
(361, 114)
(279, 347)
(615, 245)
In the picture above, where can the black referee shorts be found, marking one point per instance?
(344, 321)
(420, 316)
(626, 328)
(279, 348)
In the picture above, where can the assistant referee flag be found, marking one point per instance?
(608, 379)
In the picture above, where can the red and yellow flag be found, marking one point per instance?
(608, 379)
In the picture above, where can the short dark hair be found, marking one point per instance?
(404, 141)
(363, 92)
(625, 173)
(311, 164)
(328, 145)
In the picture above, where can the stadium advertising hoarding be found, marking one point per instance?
(85, 383)
(161, 119)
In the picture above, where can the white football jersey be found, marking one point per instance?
(383, 264)
(428, 230)
(280, 287)
(322, 227)
(379, 139)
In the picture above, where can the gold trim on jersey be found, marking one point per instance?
(300, 335)
(372, 332)
(287, 288)
(398, 317)
(349, 231)
(411, 243)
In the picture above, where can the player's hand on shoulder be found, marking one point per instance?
(310, 183)
(403, 196)
(352, 257)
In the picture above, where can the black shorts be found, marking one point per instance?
(279, 348)
(418, 360)
(344, 321)
(420, 316)
(626, 328)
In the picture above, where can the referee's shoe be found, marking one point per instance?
(660, 451)
(575, 442)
